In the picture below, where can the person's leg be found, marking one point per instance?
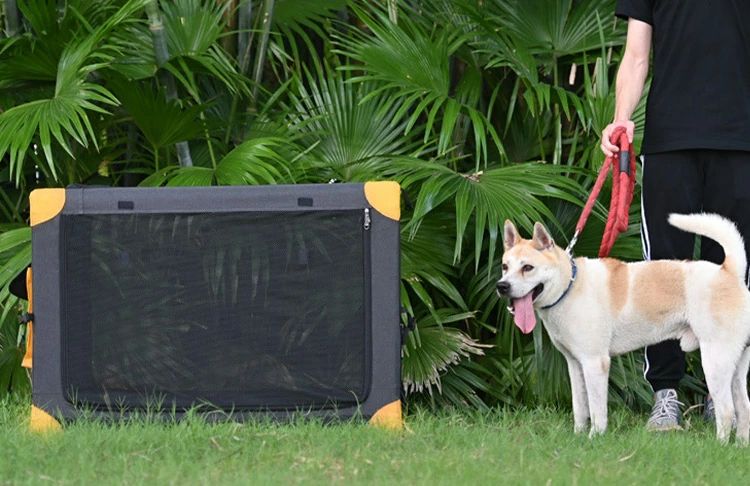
(727, 192)
(672, 183)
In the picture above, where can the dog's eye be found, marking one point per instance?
(527, 268)
(505, 267)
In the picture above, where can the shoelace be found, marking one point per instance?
(666, 407)
(709, 404)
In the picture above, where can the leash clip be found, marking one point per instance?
(573, 241)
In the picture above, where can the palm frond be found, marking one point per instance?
(300, 20)
(555, 28)
(431, 349)
(163, 122)
(255, 161)
(194, 28)
(413, 65)
(352, 136)
(489, 198)
(66, 115)
(427, 266)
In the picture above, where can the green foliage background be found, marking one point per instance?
(482, 109)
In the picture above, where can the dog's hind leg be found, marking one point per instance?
(578, 391)
(719, 364)
(688, 341)
(741, 400)
(596, 376)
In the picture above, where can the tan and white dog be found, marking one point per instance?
(597, 308)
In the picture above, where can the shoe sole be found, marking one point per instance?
(665, 428)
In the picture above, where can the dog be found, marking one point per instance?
(594, 309)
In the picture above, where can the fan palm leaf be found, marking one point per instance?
(65, 115)
(430, 349)
(352, 136)
(427, 266)
(555, 28)
(194, 29)
(489, 198)
(172, 124)
(300, 17)
(256, 161)
(412, 64)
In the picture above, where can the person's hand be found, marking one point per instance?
(607, 146)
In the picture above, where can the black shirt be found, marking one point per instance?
(700, 92)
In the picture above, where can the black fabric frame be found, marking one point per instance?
(382, 343)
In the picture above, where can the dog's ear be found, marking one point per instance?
(542, 240)
(510, 235)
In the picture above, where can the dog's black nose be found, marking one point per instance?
(503, 287)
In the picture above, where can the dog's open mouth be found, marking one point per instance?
(523, 309)
(536, 291)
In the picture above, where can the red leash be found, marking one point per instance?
(623, 184)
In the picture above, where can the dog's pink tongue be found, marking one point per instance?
(524, 317)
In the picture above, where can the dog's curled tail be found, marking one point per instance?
(721, 230)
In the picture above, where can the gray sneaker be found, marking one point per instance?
(666, 414)
(709, 413)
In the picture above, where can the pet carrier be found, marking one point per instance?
(241, 301)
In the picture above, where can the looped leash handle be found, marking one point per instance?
(625, 161)
(620, 138)
(623, 184)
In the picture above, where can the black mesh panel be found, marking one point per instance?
(240, 310)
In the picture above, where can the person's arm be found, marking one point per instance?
(631, 77)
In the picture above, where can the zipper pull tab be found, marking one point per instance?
(367, 219)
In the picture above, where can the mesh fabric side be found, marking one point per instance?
(240, 310)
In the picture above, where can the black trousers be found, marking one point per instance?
(688, 181)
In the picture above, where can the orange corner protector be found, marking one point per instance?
(41, 421)
(46, 204)
(389, 416)
(385, 196)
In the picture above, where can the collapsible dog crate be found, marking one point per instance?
(271, 300)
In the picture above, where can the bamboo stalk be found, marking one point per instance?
(244, 44)
(161, 52)
(245, 20)
(393, 11)
(230, 19)
(12, 19)
(268, 8)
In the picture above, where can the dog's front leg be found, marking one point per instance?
(578, 391)
(596, 375)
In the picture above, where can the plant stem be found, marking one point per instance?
(268, 7)
(244, 35)
(245, 15)
(12, 19)
(208, 139)
(230, 17)
(162, 56)
(393, 11)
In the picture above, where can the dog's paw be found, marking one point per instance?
(741, 441)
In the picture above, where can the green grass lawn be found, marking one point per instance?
(526, 447)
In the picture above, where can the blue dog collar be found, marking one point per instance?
(570, 284)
